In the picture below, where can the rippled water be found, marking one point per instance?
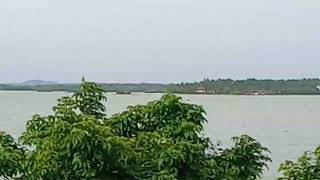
(287, 125)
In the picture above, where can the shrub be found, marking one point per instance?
(161, 140)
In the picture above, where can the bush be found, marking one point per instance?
(162, 140)
(307, 167)
(11, 156)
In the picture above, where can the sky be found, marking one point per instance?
(158, 40)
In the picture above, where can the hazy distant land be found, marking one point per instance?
(207, 86)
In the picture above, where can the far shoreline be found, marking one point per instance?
(248, 87)
(139, 92)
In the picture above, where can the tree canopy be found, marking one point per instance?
(162, 140)
(307, 167)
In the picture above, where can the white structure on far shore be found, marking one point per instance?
(318, 87)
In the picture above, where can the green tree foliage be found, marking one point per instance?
(11, 156)
(90, 99)
(307, 167)
(182, 123)
(244, 161)
(161, 140)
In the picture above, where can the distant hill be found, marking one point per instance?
(36, 83)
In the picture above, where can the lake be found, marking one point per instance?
(287, 125)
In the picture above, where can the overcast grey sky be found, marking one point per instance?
(158, 40)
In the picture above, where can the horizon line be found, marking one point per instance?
(174, 82)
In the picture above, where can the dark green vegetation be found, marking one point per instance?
(121, 88)
(162, 140)
(251, 86)
(207, 86)
(307, 167)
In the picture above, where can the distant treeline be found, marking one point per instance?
(250, 86)
(207, 86)
(143, 87)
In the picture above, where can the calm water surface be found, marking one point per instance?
(287, 125)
